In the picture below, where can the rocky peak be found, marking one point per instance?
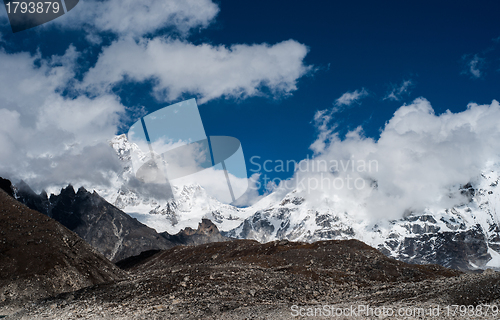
(111, 231)
(205, 227)
(206, 232)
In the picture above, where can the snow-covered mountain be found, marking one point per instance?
(465, 236)
(190, 204)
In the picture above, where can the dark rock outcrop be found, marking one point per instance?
(6, 186)
(207, 232)
(111, 231)
(450, 249)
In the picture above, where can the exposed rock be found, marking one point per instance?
(466, 237)
(6, 186)
(450, 249)
(131, 262)
(244, 279)
(207, 232)
(111, 231)
(39, 257)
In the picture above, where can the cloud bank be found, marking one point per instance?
(419, 161)
(46, 138)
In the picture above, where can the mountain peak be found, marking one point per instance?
(205, 227)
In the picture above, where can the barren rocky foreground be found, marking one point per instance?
(48, 272)
(244, 279)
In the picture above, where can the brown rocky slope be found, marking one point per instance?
(39, 257)
(244, 279)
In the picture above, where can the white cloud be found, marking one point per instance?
(214, 182)
(50, 139)
(46, 138)
(418, 162)
(397, 91)
(208, 71)
(473, 66)
(137, 18)
(349, 98)
(252, 195)
(326, 130)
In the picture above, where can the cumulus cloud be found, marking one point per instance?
(54, 127)
(398, 91)
(46, 138)
(180, 67)
(50, 139)
(349, 98)
(473, 66)
(419, 162)
(138, 18)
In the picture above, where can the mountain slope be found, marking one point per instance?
(39, 257)
(112, 232)
(464, 237)
(190, 205)
(207, 232)
(339, 260)
(244, 279)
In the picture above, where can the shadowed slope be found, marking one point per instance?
(39, 257)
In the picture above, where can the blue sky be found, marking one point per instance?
(447, 52)
(355, 45)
